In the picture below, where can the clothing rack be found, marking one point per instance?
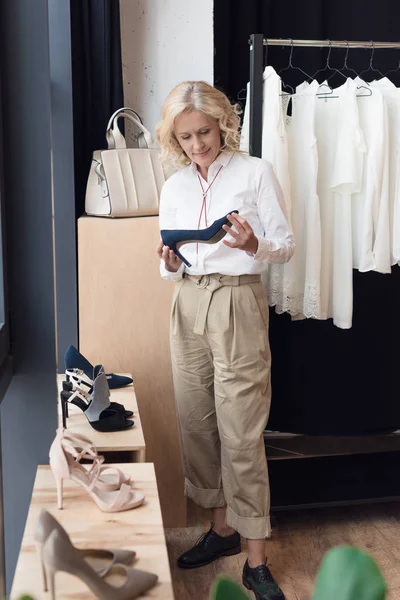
(257, 43)
(325, 453)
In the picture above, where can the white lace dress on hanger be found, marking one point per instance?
(295, 286)
(275, 151)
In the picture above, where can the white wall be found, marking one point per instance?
(164, 42)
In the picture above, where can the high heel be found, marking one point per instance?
(98, 410)
(77, 380)
(175, 238)
(83, 449)
(46, 524)
(39, 549)
(65, 453)
(60, 555)
(108, 478)
(75, 360)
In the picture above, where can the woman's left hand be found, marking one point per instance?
(244, 238)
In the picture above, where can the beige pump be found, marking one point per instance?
(64, 455)
(60, 555)
(46, 524)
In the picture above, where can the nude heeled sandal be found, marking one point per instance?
(60, 555)
(46, 524)
(108, 478)
(63, 455)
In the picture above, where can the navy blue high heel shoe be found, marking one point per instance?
(175, 238)
(74, 360)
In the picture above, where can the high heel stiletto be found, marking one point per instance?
(76, 380)
(98, 411)
(75, 360)
(65, 454)
(60, 555)
(46, 524)
(108, 478)
(175, 238)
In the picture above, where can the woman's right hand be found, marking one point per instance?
(172, 262)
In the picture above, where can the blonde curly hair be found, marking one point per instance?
(201, 96)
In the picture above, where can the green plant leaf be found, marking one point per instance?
(348, 573)
(25, 598)
(225, 589)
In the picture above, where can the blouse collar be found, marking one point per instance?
(223, 159)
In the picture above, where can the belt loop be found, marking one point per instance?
(202, 311)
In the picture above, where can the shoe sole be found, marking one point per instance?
(236, 550)
(256, 594)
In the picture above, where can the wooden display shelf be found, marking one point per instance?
(130, 441)
(140, 530)
(120, 287)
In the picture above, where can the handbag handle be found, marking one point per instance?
(114, 137)
(119, 140)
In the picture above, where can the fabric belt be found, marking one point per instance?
(208, 284)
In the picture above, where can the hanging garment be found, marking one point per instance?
(370, 207)
(341, 150)
(274, 138)
(392, 97)
(295, 286)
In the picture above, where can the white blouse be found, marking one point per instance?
(370, 207)
(341, 151)
(392, 97)
(244, 183)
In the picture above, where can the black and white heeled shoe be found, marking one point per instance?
(77, 380)
(97, 409)
(75, 360)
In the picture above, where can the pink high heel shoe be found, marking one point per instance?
(65, 453)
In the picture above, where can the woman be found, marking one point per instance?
(219, 338)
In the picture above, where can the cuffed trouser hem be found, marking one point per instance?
(252, 528)
(204, 497)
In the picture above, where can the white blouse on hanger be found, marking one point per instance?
(341, 150)
(392, 97)
(295, 286)
(274, 139)
(370, 207)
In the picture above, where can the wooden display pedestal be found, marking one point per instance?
(140, 530)
(129, 443)
(124, 309)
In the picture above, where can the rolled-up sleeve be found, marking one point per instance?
(167, 220)
(277, 243)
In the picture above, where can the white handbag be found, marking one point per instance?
(125, 182)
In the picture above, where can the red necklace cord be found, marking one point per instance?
(203, 206)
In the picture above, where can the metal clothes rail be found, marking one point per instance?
(257, 43)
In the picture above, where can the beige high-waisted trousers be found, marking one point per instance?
(221, 368)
